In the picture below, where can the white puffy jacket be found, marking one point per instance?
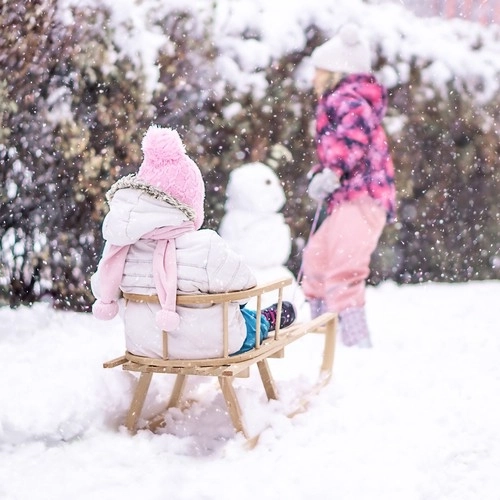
(205, 264)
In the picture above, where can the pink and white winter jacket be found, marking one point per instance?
(351, 141)
(205, 264)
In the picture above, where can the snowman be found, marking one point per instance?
(254, 228)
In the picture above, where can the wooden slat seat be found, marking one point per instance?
(226, 367)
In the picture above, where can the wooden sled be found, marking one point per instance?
(226, 367)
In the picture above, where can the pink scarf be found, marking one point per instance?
(164, 273)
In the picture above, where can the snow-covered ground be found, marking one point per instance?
(415, 418)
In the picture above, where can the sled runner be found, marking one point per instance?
(226, 367)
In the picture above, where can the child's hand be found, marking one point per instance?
(323, 184)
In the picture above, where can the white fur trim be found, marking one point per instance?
(131, 181)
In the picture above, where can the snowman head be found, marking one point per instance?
(254, 187)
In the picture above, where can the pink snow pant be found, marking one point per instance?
(336, 259)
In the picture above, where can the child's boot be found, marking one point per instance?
(318, 307)
(354, 328)
(288, 314)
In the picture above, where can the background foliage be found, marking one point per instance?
(74, 108)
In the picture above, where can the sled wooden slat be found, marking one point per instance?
(215, 298)
(226, 367)
(115, 362)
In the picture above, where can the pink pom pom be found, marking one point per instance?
(167, 320)
(162, 145)
(105, 311)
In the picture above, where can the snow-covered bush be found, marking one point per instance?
(69, 121)
(80, 82)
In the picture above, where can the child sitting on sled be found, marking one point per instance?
(154, 246)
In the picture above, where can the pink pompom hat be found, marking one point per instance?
(167, 173)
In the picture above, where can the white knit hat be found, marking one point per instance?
(347, 52)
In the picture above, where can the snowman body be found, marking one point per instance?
(254, 228)
(263, 240)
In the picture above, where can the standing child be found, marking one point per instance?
(354, 177)
(154, 246)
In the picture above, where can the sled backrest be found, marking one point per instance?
(225, 299)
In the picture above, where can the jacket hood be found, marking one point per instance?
(132, 181)
(366, 87)
(134, 213)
